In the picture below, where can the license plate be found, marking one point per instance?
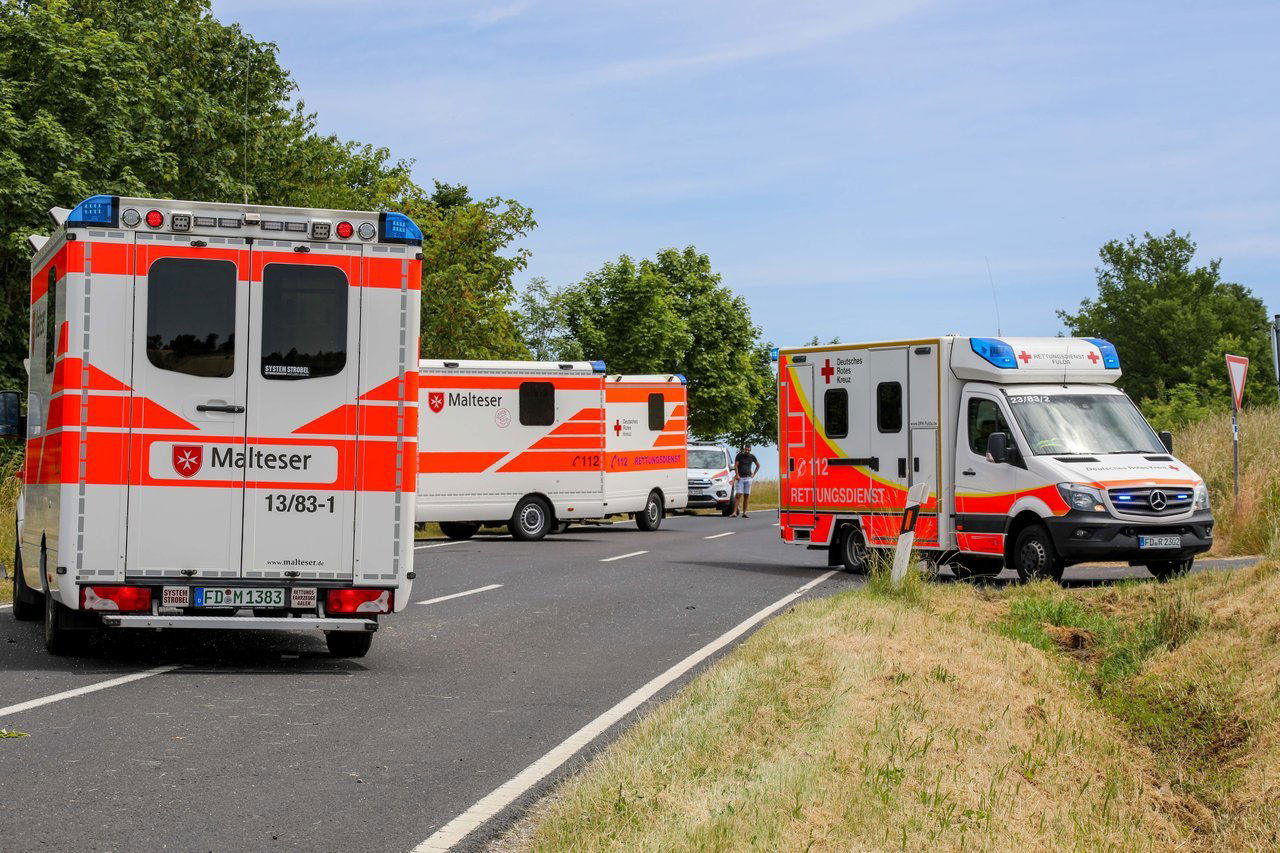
(244, 596)
(1159, 541)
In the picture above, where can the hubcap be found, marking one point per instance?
(653, 510)
(531, 518)
(1034, 556)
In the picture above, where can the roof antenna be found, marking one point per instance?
(994, 299)
(247, 58)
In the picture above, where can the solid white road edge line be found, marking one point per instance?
(504, 795)
(460, 594)
(718, 535)
(4, 606)
(623, 556)
(440, 544)
(80, 691)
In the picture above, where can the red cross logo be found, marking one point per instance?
(1025, 356)
(1093, 357)
(617, 428)
(827, 371)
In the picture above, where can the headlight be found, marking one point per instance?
(719, 479)
(1201, 498)
(1082, 498)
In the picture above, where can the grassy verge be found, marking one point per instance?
(1140, 716)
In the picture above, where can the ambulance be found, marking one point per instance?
(1030, 457)
(221, 426)
(533, 446)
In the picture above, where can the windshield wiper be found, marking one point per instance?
(1118, 452)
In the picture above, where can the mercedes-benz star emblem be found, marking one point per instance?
(1157, 500)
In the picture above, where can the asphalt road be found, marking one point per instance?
(261, 741)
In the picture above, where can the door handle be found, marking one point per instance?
(916, 465)
(232, 410)
(791, 464)
(902, 466)
(969, 472)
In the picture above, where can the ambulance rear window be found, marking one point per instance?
(889, 406)
(835, 412)
(657, 412)
(304, 321)
(537, 403)
(191, 316)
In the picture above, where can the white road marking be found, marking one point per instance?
(440, 544)
(5, 606)
(623, 556)
(460, 594)
(504, 795)
(718, 535)
(81, 691)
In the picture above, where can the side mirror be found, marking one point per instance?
(12, 423)
(1166, 438)
(998, 447)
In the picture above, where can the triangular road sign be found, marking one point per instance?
(1237, 370)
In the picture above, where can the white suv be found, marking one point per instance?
(711, 477)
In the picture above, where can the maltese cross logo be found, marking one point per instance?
(435, 400)
(187, 459)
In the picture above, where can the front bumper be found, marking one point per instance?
(1080, 536)
(716, 497)
(240, 623)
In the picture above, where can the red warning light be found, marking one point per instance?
(344, 230)
(155, 218)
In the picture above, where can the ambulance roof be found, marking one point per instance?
(1028, 360)
(439, 365)
(648, 379)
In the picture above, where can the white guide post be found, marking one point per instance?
(916, 495)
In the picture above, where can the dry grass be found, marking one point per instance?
(1142, 716)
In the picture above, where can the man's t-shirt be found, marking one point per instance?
(745, 463)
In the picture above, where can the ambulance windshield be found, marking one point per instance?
(707, 458)
(1076, 424)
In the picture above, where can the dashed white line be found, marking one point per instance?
(504, 795)
(9, 710)
(718, 535)
(440, 544)
(623, 556)
(460, 594)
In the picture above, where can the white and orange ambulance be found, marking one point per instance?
(221, 420)
(1033, 459)
(535, 445)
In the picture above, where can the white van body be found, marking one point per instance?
(535, 444)
(860, 423)
(221, 418)
(710, 477)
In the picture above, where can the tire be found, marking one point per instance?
(27, 606)
(58, 639)
(1034, 557)
(726, 510)
(649, 519)
(1166, 570)
(532, 519)
(852, 550)
(348, 644)
(459, 529)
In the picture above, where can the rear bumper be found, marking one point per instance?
(239, 623)
(1084, 536)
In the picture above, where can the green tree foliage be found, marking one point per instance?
(1172, 323)
(670, 314)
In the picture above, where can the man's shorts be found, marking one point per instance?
(743, 487)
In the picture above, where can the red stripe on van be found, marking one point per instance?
(471, 462)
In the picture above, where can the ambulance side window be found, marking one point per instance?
(984, 419)
(537, 403)
(835, 412)
(304, 321)
(191, 316)
(51, 321)
(889, 406)
(657, 412)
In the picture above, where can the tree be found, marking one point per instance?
(1172, 323)
(539, 319)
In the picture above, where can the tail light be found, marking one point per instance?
(155, 218)
(344, 230)
(340, 601)
(117, 599)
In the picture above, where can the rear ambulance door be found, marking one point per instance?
(187, 393)
(303, 374)
(887, 424)
(922, 393)
(799, 442)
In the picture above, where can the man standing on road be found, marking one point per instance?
(745, 466)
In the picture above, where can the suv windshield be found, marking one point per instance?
(707, 457)
(1083, 423)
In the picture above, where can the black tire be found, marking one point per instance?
(459, 529)
(532, 519)
(27, 606)
(727, 510)
(851, 549)
(348, 644)
(650, 518)
(1166, 570)
(58, 639)
(1034, 557)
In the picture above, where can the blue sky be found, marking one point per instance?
(850, 167)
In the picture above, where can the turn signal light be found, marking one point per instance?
(155, 218)
(344, 230)
(117, 599)
(340, 601)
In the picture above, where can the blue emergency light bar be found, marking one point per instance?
(1110, 358)
(995, 351)
(96, 210)
(398, 228)
(598, 367)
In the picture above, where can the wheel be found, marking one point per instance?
(1034, 556)
(26, 601)
(58, 639)
(459, 529)
(1165, 570)
(650, 518)
(852, 549)
(532, 519)
(348, 644)
(726, 510)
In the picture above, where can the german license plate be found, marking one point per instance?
(242, 596)
(1159, 541)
